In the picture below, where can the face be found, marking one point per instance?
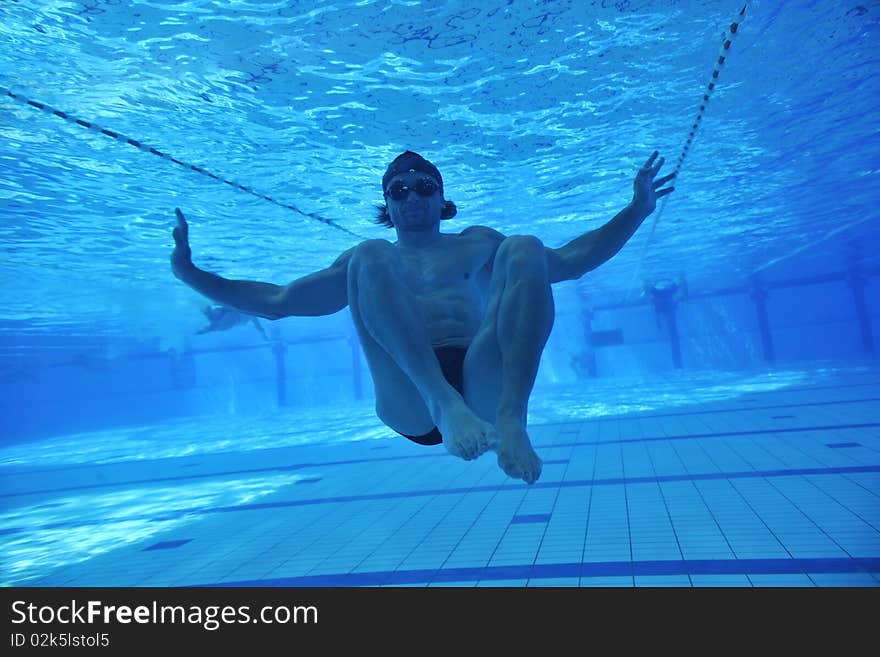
(414, 210)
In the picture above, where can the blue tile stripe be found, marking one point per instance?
(435, 454)
(563, 570)
(839, 445)
(167, 545)
(535, 517)
(344, 499)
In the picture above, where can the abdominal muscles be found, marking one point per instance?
(452, 319)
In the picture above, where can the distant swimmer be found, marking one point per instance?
(222, 318)
(665, 294)
(452, 325)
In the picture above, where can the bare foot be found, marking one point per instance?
(515, 454)
(464, 434)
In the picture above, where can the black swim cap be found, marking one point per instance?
(409, 161)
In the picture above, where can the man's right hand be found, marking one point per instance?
(181, 256)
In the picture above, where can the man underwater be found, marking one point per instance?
(452, 324)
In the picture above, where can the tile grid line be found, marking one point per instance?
(589, 513)
(666, 507)
(809, 519)
(732, 485)
(552, 511)
(703, 499)
(763, 521)
(471, 526)
(626, 507)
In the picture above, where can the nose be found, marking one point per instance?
(411, 197)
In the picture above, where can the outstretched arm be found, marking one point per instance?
(321, 293)
(591, 249)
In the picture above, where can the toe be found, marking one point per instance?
(512, 470)
(534, 473)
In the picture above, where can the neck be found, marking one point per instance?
(418, 238)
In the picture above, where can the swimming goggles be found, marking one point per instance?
(423, 187)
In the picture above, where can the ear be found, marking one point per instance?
(449, 210)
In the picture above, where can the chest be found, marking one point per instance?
(455, 262)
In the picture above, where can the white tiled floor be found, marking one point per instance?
(778, 486)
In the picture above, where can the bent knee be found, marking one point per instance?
(522, 250)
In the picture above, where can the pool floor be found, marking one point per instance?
(777, 486)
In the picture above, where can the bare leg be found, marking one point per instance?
(503, 359)
(397, 342)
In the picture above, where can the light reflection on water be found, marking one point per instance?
(201, 435)
(624, 396)
(74, 528)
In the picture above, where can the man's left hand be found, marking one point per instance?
(646, 189)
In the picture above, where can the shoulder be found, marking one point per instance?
(342, 260)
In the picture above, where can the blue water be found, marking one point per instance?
(122, 428)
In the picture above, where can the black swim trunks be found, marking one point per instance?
(451, 361)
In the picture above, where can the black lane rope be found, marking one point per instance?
(722, 57)
(137, 143)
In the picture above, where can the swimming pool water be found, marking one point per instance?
(731, 440)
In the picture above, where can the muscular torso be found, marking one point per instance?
(450, 280)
